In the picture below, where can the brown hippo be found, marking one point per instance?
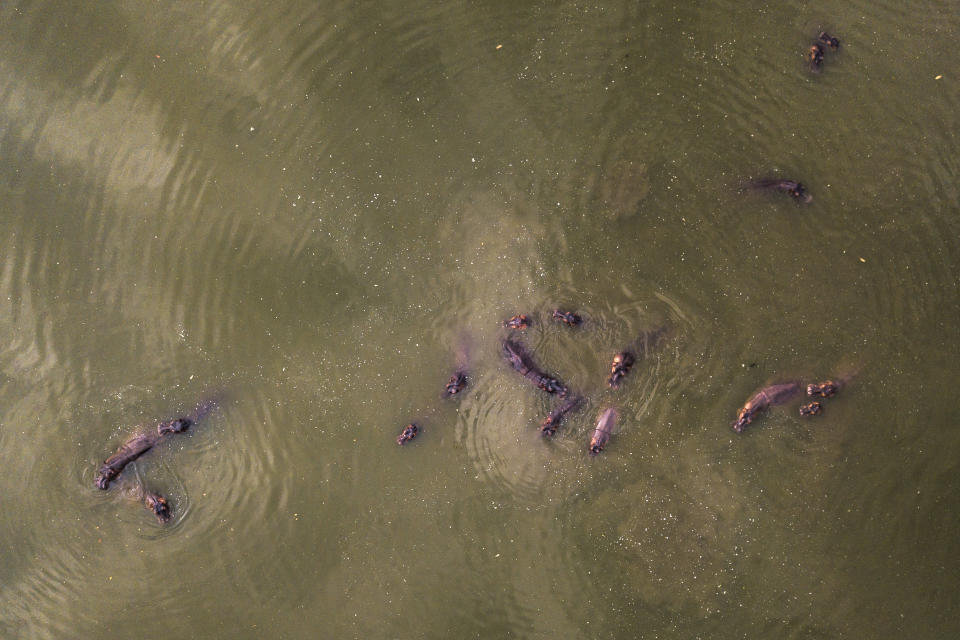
(831, 387)
(763, 399)
(158, 505)
(456, 384)
(139, 444)
(811, 409)
(408, 434)
(519, 321)
(520, 360)
(795, 189)
(815, 57)
(828, 40)
(567, 317)
(823, 389)
(552, 421)
(622, 363)
(624, 360)
(129, 451)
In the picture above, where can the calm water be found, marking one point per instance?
(313, 209)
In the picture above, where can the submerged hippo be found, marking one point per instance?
(831, 387)
(762, 400)
(456, 384)
(826, 39)
(550, 424)
(622, 363)
(519, 321)
(158, 505)
(522, 362)
(815, 57)
(624, 360)
(811, 409)
(135, 447)
(129, 451)
(139, 444)
(408, 434)
(567, 317)
(603, 431)
(796, 190)
(823, 389)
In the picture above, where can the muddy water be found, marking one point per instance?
(311, 211)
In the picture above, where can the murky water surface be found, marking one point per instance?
(313, 210)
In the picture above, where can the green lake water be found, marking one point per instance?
(316, 211)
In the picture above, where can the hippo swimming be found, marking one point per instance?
(521, 361)
(139, 444)
(519, 321)
(795, 189)
(567, 317)
(603, 431)
(158, 505)
(828, 40)
(762, 400)
(408, 434)
(815, 57)
(456, 384)
(823, 389)
(811, 409)
(550, 424)
(622, 363)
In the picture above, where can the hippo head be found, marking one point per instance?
(174, 426)
(158, 504)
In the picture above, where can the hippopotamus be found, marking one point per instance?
(519, 321)
(811, 409)
(823, 389)
(520, 360)
(815, 57)
(158, 505)
(624, 360)
(549, 425)
(622, 363)
(408, 434)
(796, 189)
(567, 317)
(139, 444)
(763, 399)
(135, 447)
(828, 40)
(831, 387)
(603, 431)
(456, 384)
(129, 451)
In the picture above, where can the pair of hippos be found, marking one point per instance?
(795, 189)
(816, 51)
(521, 361)
(137, 445)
